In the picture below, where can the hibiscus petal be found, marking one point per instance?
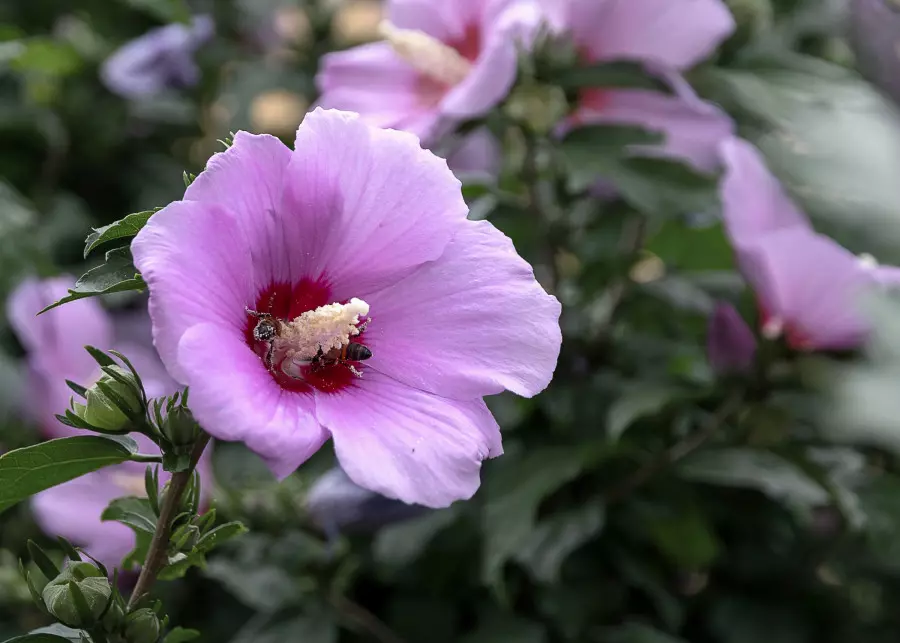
(488, 83)
(61, 333)
(246, 180)
(364, 207)
(811, 284)
(473, 323)
(753, 201)
(386, 90)
(196, 261)
(692, 127)
(234, 397)
(407, 444)
(679, 34)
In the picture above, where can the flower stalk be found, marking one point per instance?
(159, 545)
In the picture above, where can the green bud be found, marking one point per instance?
(101, 411)
(185, 537)
(142, 626)
(180, 427)
(541, 107)
(61, 601)
(112, 620)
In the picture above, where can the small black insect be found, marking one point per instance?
(267, 329)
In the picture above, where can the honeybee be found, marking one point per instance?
(269, 328)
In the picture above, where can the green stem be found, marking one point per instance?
(159, 545)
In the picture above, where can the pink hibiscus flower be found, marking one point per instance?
(808, 286)
(669, 38)
(441, 63)
(356, 238)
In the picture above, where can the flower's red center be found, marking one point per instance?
(432, 91)
(794, 337)
(591, 100)
(287, 302)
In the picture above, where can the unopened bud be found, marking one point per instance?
(112, 620)
(180, 427)
(541, 107)
(730, 344)
(102, 410)
(61, 599)
(142, 626)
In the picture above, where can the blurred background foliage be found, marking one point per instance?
(641, 498)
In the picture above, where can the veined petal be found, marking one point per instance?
(473, 323)
(364, 207)
(488, 83)
(233, 397)
(197, 264)
(247, 180)
(407, 444)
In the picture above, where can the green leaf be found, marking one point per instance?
(686, 538)
(636, 402)
(219, 535)
(749, 468)
(181, 635)
(659, 186)
(117, 274)
(129, 226)
(24, 472)
(638, 633)
(589, 152)
(401, 544)
(48, 567)
(180, 564)
(509, 629)
(47, 56)
(40, 638)
(513, 495)
(687, 248)
(64, 632)
(132, 511)
(621, 74)
(554, 539)
(163, 10)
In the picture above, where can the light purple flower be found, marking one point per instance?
(808, 286)
(55, 344)
(669, 38)
(730, 344)
(444, 62)
(356, 223)
(161, 59)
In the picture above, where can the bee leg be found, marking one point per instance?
(270, 358)
(252, 313)
(362, 327)
(353, 370)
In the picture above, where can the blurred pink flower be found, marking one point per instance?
(669, 38)
(730, 344)
(442, 63)
(808, 286)
(356, 220)
(55, 344)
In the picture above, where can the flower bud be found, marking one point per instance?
(112, 620)
(63, 595)
(541, 107)
(180, 427)
(101, 411)
(142, 626)
(730, 344)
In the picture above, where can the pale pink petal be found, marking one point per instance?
(753, 201)
(196, 261)
(473, 323)
(234, 397)
(246, 180)
(62, 332)
(407, 444)
(810, 283)
(488, 83)
(364, 207)
(693, 128)
(385, 90)
(677, 34)
(73, 509)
